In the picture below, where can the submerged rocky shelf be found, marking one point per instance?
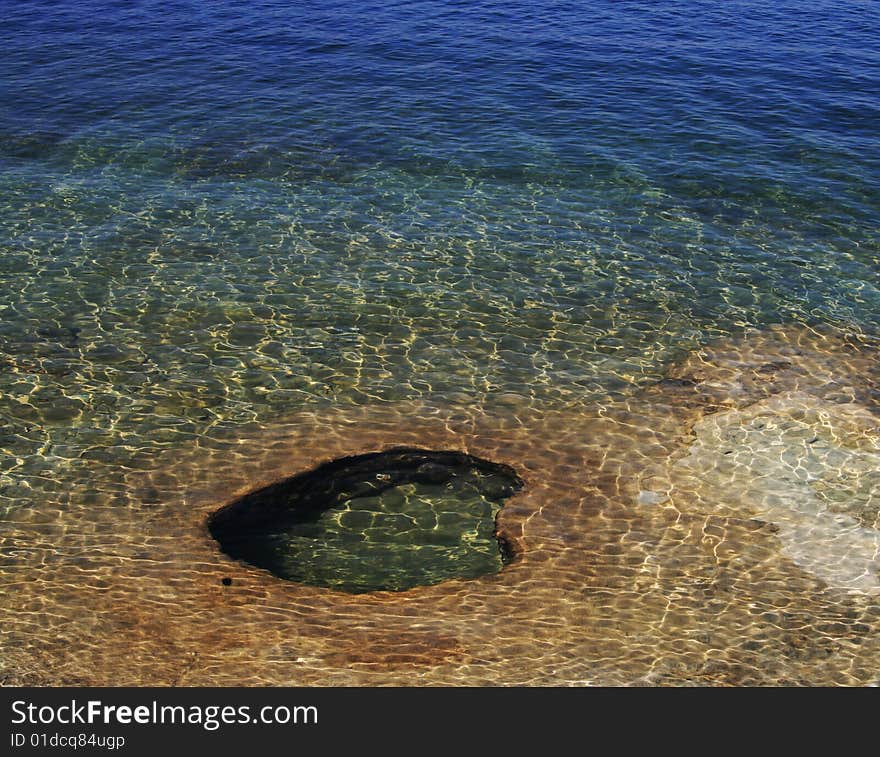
(717, 527)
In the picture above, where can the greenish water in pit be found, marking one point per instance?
(218, 214)
(410, 535)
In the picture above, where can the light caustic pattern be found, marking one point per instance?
(715, 528)
(553, 235)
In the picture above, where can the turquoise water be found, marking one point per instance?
(221, 214)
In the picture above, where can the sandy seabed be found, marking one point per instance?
(720, 527)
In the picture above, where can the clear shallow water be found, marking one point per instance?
(240, 210)
(216, 216)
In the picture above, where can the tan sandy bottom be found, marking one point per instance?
(721, 527)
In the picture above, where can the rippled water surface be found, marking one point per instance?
(216, 217)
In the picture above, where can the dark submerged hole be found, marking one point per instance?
(381, 521)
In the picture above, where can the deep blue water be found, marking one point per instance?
(213, 213)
